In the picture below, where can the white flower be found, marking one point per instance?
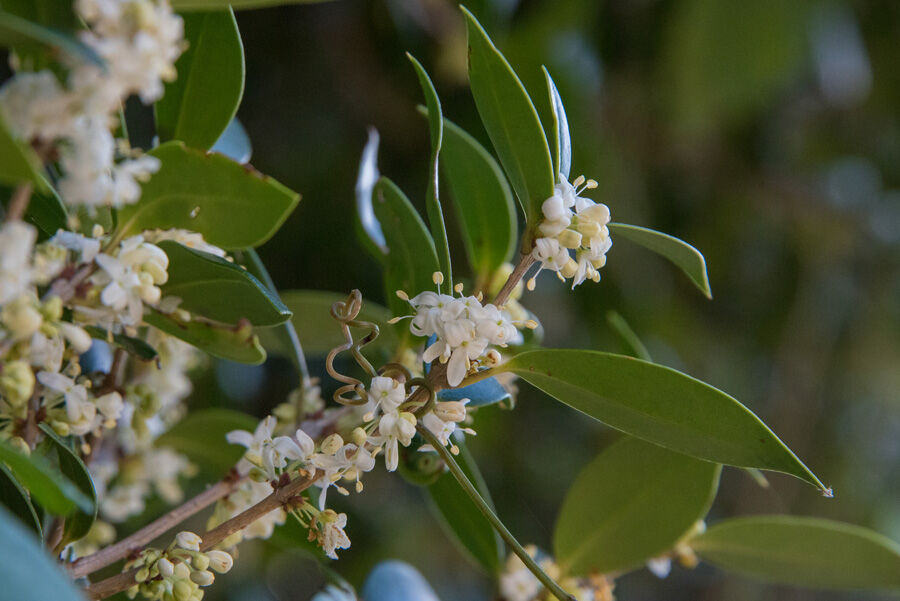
(396, 428)
(387, 393)
(550, 253)
(86, 248)
(16, 242)
(188, 540)
(220, 561)
(79, 410)
(110, 405)
(187, 238)
(333, 536)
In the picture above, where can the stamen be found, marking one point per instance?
(437, 277)
(458, 288)
(532, 283)
(578, 181)
(402, 295)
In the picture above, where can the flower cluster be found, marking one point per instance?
(178, 572)
(518, 583)
(463, 329)
(572, 222)
(138, 42)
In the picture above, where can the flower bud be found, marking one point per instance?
(406, 415)
(165, 567)
(220, 561)
(203, 578)
(569, 239)
(188, 540)
(569, 268)
(52, 309)
(589, 229)
(60, 428)
(77, 337)
(20, 445)
(142, 575)
(200, 561)
(17, 382)
(332, 444)
(598, 213)
(182, 590)
(359, 437)
(450, 411)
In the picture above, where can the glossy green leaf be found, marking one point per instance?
(483, 201)
(461, 519)
(682, 254)
(45, 210)
(635, 501)
(802, 551)
(201, 437)
(222, 342)
(232, 205)
(234, 143)
(27, 572)
(189, 5)
(46, 484)
(432, 197)
(198, 106)
(135, 346)
(18, 163)
(15, 498)
(561, 141)
(319, 332)
(24, 35)
(218, 289)
(70, 464)
(412, 259)
(511, 121)
(628, 336)
(660, 405)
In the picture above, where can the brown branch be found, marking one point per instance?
(30, 430)
(18, 203)
(525, 261)
(65, 288)
(279, 498)
(102, 558)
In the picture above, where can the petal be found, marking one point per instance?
(456, 370)
(241, 437)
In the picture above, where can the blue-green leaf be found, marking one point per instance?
(370, 232)
(394, 580)
(234, 143)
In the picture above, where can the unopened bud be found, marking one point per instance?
(17, 382)
(220, 561)
(332, 444)
(165, 567)
(569, 268)
(493, 356)
(569, 239)
(182, 591)
(200, 561)
(588, 228)
(598, 213)
(450, 411)
(406, 415)
(359, 437)
(188, 540)
(142, 575)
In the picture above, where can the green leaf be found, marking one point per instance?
(218, 289)
(802, 551)
(222, 342)
(24, 35)
(660, 405)
(562, 141)
(367, 227)
(682, 254)
(234, 143)
(198, 106)
(319, 332)
(78, 524)
(635, 501)
(134, 346)
(411, 257)
(232, 205)
(511, 121)
(201, 437)
(461, 519)
(26, 571)
(628, 336)
(15, 498)
(483, 201)
(432, 199)
(18, 162)
(44, 482)
(189, 5)
(45, 210)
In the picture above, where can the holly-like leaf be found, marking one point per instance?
(561, 141)
(70, 464)
(483, 201)
(232, 343)
(218, 289)
(201, 438)
(630, 504)
(660, 405)
(46, 484)
(802, 551)
(232, 205)
(511, 121)
(682, 254)
(199, 105)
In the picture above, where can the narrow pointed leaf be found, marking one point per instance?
(27, 571)
(561, 141)
(511, 121)
(368, 226)
(412, 259)
(218, 289)
(15, 498)
(198, 106)
(483, 201)
(461, 519)
(18, 162)
(201, 438)
(682, 254)
(79, 523)
(26, 36)
(46, 484)
(218, 341)
(660, 405)
(432, 198)
(635, 501)
(628, 336)
(232, 205)
(802, 551)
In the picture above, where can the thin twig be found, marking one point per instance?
(104, 557)
(525, 261)
(281, 497)
(18, 203)
(65, 288)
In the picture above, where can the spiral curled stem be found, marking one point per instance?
(417, 406)
(346, 313)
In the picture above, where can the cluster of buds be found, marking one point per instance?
(179, 572)
(518, 583)
(572, 222)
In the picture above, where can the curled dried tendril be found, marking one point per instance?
(346, 313)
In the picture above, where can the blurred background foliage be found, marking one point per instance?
(766, 133)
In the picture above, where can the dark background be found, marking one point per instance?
(767, 133)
